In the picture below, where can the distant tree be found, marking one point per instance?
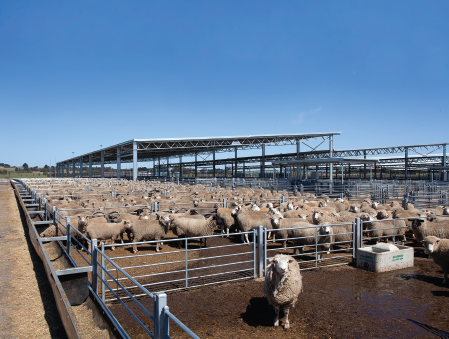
(25, 166)
(46, 167)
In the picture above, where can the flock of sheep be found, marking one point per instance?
(195, 211)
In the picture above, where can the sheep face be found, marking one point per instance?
(281, 264)
(374, 205)
(235, 211)
(325, 230)
(430, 243)
(289, 206)
(446, 211)
(382, 214)
(417, 222)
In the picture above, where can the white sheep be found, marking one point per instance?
(283, 284)
(439, 251)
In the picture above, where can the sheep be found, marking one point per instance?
(187, 227)
(282, 286)
(385, 228)
(439, 251)
(305, 235)
(422, 228)
(438, 220)
(319, 217)
(144, 230)
(278, 223)
(107, 231)
(250, 220)
(227, 220)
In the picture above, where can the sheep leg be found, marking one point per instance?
(269, 235)
(157, 247)
(286, 323)
(246, 237)
(243, 237)
(276, 317)
(112, 243)
(445, 277)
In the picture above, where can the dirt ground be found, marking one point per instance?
(27, 307)
(337, 302)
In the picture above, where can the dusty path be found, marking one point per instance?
(27, 307)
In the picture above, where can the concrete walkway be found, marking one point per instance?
(27, 306)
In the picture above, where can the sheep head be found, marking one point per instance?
(280, 263)
(430, 243)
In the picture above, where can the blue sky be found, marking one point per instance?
(77, 74)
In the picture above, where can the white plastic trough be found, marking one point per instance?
(384, 257)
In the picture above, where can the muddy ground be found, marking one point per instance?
(337, 302)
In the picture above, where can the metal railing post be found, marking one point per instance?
(68, 231)
(166, 324)
(254, 253)
(259, 251)
(103, 274)
(354, 240)
(160, 301)
(359, 226)
(93, 258)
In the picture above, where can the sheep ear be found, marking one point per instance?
(79, 217)
(290, 261)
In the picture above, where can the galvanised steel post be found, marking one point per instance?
(168, 167)
(93, 257)
(159, 166)
(81, 167)
(406, 163)
(236, 161)
(102, 163)
(298, 168)
(213, 163)
(119, 162)
(103, 274)
(331, 155)
(180, 166)
(354, 240)
(364, 165)
(262, 165)
(160, 301)
(90, 165)
(196, 165)
(68, 168)
(444, 163)
(259, 251)
(244, 169)
(69, 237)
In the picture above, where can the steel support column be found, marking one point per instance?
(213, 163)
(73, 168)
(159, 166)
(102, 164)
(81, 167)
(134, 160)
(180, 166)
(406, 163)
(119, 162)
(364, 165)
(262, 165)
(68, 168)
(236, 161)
(243, 169)
(298, 149)
(90, 165)
(331, 155)
(196, 165)
(444, 163)
(168, 168)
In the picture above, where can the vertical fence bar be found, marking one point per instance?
(316, 247)
(359, 225)
(265, 251)
(103, 274)
(68, 231)
(354, 240)
(259, 251)
(166, 322)
(160, 301)
(93, 258)
(254, 253)
(187, 268)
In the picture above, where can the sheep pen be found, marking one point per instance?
(253, 308)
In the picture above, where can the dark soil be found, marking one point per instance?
(337, 302)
